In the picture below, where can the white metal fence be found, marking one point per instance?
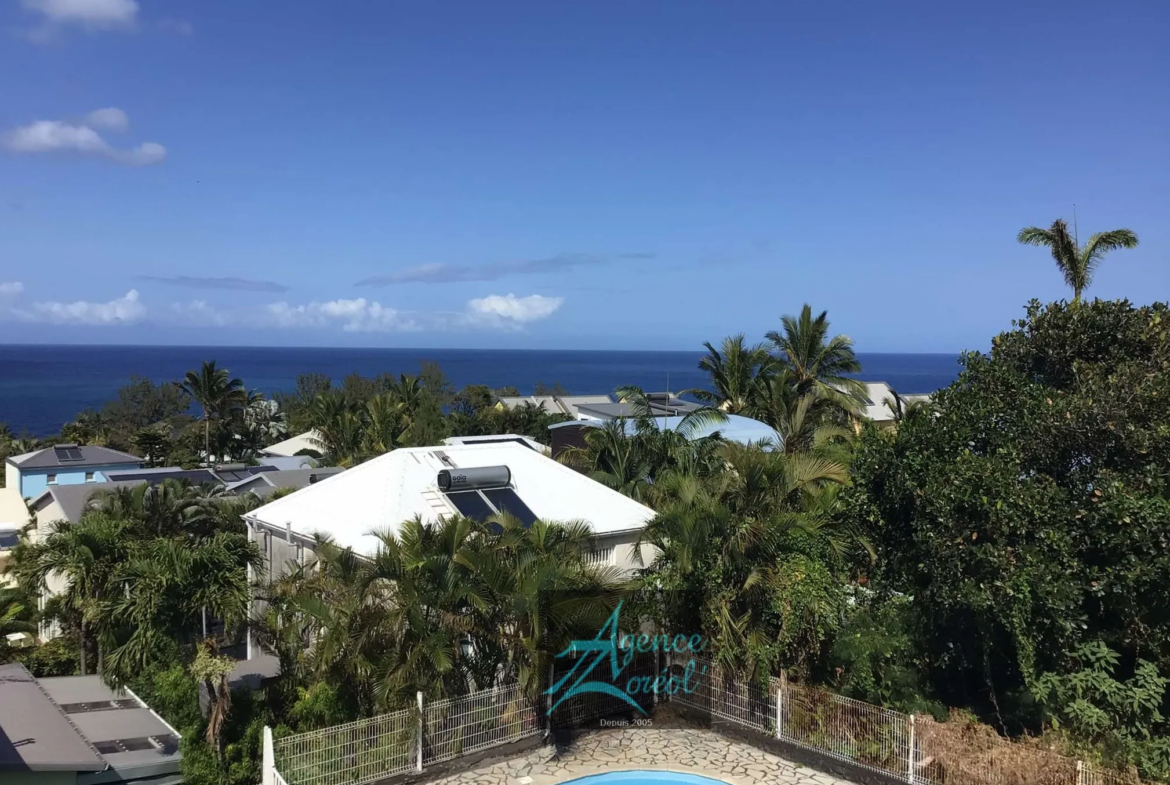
(839, 728)
(478, 721)
(352, 754)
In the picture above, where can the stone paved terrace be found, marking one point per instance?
(688, 751)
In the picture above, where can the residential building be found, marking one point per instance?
(63, 464)
(498, 438)
(264, 484)
(74, 730)
(660, 404)
(14, 517)
(880, 402)
(296, 445)
(554, 404)
(567, 435)
(476, 480)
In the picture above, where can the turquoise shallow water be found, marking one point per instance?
(645, 778)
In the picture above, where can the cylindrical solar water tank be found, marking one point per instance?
(472, 479)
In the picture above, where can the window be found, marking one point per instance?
(52, 479)
(89, 476)
(599, 557)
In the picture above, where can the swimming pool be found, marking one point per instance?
(645, 778)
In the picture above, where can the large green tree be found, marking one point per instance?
(1077, 262)
(1027, 516)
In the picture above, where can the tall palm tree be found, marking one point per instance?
(804, 422)
(217, 393)
(735, 370)
(1077, 263)
(719, 546)
(817, 361)
(86, 555)
(163, 586)
(172, 508)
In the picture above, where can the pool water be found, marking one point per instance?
(645, 778)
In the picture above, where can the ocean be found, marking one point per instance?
(44, 387)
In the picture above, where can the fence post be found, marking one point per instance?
(420, 730)
(910, 755)
(269, 759)
(780, 690)
(548, 698)
(1080, 772)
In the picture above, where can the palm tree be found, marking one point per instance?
(172, 508)
(217, 393)
(1077, 263)
(735, 370)
(213, 671)
(721, 544)
(543, 593)
(14, 613)
(85, 555)
(804, 422)
(163, 586)
(817, 362)
(904, 411)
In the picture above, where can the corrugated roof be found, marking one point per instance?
(382, 493)
(90, 456)
(35, 735)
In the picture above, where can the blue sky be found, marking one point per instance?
(580, 175)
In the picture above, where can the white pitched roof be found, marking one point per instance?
(877, 409)
(382, 493)
(294, 444)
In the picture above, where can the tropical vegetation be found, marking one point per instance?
(1001, 549)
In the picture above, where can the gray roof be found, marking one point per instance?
(135, 721)
(73, 498)
(614, 411)
(35, 734)
(90, 456)
(267, 482)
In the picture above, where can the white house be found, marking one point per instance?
(483, 478)
(309, 440)
(14, 516)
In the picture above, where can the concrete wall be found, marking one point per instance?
(34, 482)
(38, 778)
(11, 476)
(46, 513)
(625, 555)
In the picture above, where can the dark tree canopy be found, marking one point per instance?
(1029, 515)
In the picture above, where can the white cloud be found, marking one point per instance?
(90, 14)
(56, 136)
(9, 288)
(516, 309)
(357, 315)
(124, 310)
(111, 118)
